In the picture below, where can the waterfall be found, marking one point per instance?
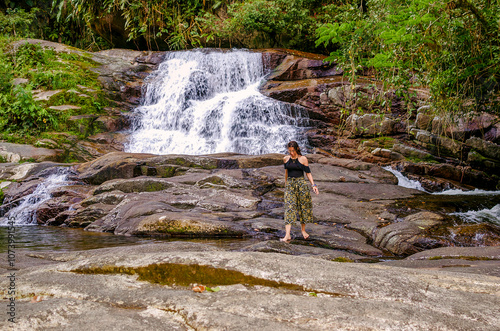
(200, 102)
(25, 212)
(404, 181)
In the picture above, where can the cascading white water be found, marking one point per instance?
(405, 182)
(474, 216)
(202, 103)
(491, 215)
(25, 212)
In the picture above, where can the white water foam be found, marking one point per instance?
(25, 212)
(201, 103)
(404, 181)
(480, 216)
(470, 192)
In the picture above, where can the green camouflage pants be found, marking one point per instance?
(298, 203)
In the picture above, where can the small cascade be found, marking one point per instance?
(201, 102)
(482, 215)
(404, 181)
(491, 215)
(25, 212)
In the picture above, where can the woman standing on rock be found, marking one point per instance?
(298, 203)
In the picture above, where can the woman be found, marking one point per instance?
(298, 203)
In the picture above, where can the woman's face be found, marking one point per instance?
(292, 151)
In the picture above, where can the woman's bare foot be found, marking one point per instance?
(305, 234)
(286, 239)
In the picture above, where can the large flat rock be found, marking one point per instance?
(345, 296)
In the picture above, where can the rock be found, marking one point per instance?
(19, 172)
(450, 300)
(439, 145)
(186, 224)
(299, 68)
(111, 166)
(472, 253)
(463, 126)
(126, 216)
(110, 123)
(412, 152)
(478, 161)
(370, 125)
(137, 184)
(248, 161)
(484, 147)
(424, 219)
(108, 198)
(424, 121)
(18, 152)
(20, 81)
(493, 134)
(82, 123)
(274, 246)
(64, 107)
(388, 154)
(86, 216)
(39, 95)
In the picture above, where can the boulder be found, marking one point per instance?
(424, 121)
(18, 152)
(463, 126)
(299, 68)
(370, 125)
(486, 148)
(111, 166)
(412, 152)
(181, 224)
(137, 184)
(408, 237)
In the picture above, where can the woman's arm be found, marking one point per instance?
(285, 160)
(309, 175)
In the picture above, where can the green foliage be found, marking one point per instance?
(268, 23)
(18, 111)
(22, 118)
(17, 22)
(451, 47)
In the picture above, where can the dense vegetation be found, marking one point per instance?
(451, 47)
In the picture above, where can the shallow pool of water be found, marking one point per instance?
(49, 238)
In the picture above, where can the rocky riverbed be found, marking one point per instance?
(361, 215)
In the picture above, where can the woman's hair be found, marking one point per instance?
(295, 146)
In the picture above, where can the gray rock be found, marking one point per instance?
(486, 148)
(39, 95)
(370, 125)
(434, 298)
(472, 253)
(412, 152)
(108, 198)
(403, 238)
(137, 184)
(18, 152)
(64, 107)
(424, 121)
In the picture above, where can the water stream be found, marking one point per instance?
(474, 206)
(25, 212)
(200, 102)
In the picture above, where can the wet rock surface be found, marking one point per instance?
(301, 293)
(230, 195)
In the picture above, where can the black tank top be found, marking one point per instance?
(295, 168)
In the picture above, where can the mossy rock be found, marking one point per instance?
(82, 124)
